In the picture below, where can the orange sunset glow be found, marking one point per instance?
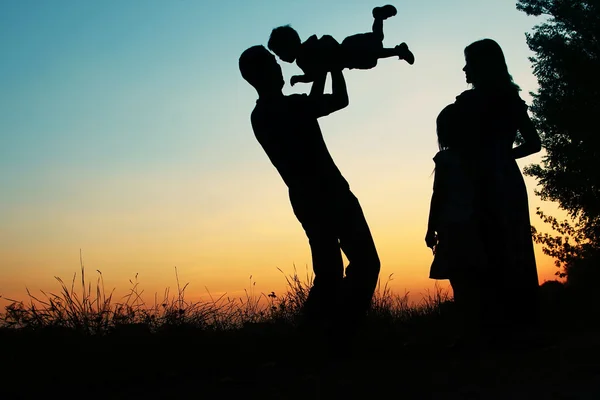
(127, 135)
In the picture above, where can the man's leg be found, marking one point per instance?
(328, 265)
(362, 272)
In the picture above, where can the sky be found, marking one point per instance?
(125, 134)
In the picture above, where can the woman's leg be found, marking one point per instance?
(468, 299)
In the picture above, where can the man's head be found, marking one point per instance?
(260, 69)
(285, 42)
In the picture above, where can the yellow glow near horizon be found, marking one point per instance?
(134, 144)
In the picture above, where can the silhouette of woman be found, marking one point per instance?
(502, 293)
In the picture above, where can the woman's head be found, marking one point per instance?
(485, 66)
(447, 127)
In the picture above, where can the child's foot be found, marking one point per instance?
(405, 54)
(384, 12)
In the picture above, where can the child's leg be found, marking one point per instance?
(401, 51)
(386, 53)
(379, 14)
(378, 29)
(384, 12)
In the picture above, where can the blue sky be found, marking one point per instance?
(125, 132)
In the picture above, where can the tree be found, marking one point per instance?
(566, 111)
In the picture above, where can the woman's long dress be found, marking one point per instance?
(510, 282)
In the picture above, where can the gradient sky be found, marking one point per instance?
(125, 132)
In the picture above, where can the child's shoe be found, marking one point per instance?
(384, 12)
(405, 54)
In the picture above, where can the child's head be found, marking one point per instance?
(285, 42)
(447, 124)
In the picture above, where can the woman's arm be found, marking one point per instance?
(532, 142)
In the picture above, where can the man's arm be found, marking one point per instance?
(326, 104)
(318, 86)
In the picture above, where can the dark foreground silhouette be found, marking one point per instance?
(287, 129)
(479, 225)
(398, 354)
(316, 55)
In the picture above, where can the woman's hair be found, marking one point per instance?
(446, 126)
(486, 59)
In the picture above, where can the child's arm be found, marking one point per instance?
(433, 221)
(301, 78)
(430, 236)
(305, 60)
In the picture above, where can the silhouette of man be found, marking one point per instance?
(288, 131)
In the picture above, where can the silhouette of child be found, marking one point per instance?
(315, 55)
(452, 227)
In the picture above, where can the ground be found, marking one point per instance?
(265, 362)
(75, 349)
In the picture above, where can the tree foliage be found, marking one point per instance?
(565, 110)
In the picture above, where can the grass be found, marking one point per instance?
(82, 341)
(91, 310)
